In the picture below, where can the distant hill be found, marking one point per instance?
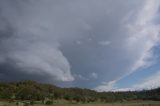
(31, 90)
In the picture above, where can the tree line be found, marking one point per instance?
(33, 91)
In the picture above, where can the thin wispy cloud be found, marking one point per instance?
(148, 83)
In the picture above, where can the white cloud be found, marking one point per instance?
(80, 77)
(150, 82)
(78, 42)
(94, 75)
(142, 30)
(104, 43)
(142, 36)
(40, 59)
(109, 86)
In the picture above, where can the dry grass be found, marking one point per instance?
(135, 103)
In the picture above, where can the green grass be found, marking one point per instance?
(64, 103)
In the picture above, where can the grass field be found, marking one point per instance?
(134, 103)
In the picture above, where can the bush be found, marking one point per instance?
(26, 104)
(11, 100)
(32, 102)
(49, 102)
(17, 103)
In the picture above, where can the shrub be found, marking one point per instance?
(31, 102)
(49, 102)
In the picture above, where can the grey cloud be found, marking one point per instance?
(59, 39)
(31, 46)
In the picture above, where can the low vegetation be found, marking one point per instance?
(25, 93)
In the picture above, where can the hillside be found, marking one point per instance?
(31, 90)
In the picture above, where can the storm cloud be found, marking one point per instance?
(83, 42)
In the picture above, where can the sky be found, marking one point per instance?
(104, 45)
